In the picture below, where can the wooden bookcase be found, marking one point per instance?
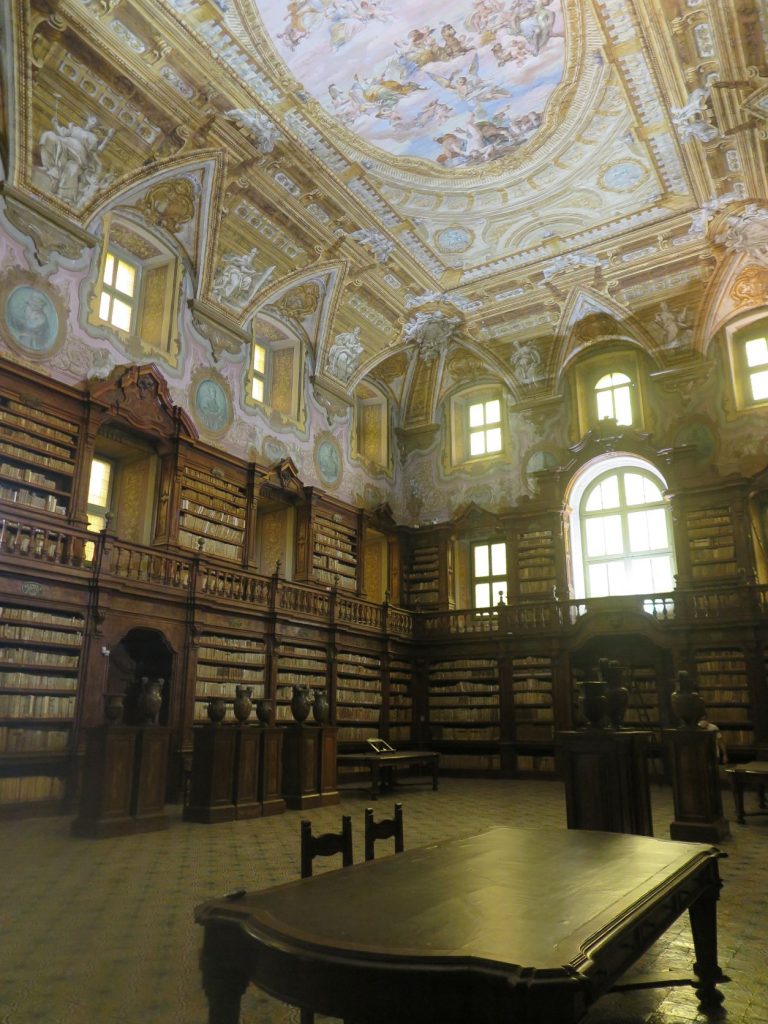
(38, 452)
(225, 662)
(722, 683)
(711, 543)
(358, 696)
(400, 702)
(422, 576)
(212, 513)
(464, 710)
(297, 665)
(532, 701)
(535, 562)
(39, 666)
(328, 542)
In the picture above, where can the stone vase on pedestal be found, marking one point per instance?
(593, 702)
(320, 707)
(151, 699)
(301, 703)
(686, 702)
(242, 705)
(217, 709)
(264, 710)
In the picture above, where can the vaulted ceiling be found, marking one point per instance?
(469, 181)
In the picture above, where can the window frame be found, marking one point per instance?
(381, 402)
(119, 255)
(492, 579)
(103, 511)
(738, 335)
(459, 442)
(590, 370)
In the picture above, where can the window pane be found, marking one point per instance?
(98, 483)
(493, 439)
(125, 278)
(499, 559)
(641, 576)
(604, 405)
(623, 406)
(499, 591)
(647, 530)
(618, 582)
(663, 579)
(121, 315)
(109, 269)
(259, 358)
(104, 306)
(482, 595)
(481, 560)
(493, 411)
(603, 536)
(598, 581)
(759, 383)
(757, 352)
(96, 523)
(604, 496)
(257, 389)
(595, 538)
(476, 415)
(477, 443)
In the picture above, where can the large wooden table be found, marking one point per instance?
(382, 766)
(519, 926)
(754, 773)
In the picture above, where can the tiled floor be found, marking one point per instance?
(102, 931)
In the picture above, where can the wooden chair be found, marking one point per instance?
(387, 828)
(326, 845)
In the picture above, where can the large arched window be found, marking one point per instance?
(621, 538)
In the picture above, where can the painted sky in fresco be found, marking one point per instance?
(457, 82)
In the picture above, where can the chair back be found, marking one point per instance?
(326, 845)
(387, 828)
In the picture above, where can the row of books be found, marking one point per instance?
(197, 509)
(532, 697)
(24, 741)
(28, 788)
(18, 415)
(212, 502)
(37, 634)
(235, 657)
(438, 700)
(25, 455)
(15, 613)
(460, 715)
(345, 696)
(469, 734)
(32, 657)
(35, 681)
(23, 496)
(215, 547)
(356, 714)
(216, 483)
(27, 476)
(20, 705)
(207, 528)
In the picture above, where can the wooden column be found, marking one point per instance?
(301, 765)
(271, 770)
(692, 756)
(606, 780)
(150, 772)
(329, 793)
(247, 765)
(212, 782)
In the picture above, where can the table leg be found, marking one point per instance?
(761, 796)
(435, 764)
(703, 916)
(223, 983)
(738, 797)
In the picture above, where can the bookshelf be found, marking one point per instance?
(464, 711)
(711, 543)
(334, 549)
(643, 707)
(38, 453)
(39, 665)
(358, 696)
(535, 562)
(400, 702)
(298, 665)
(722, 683)
(532, 701)
(422, 577)
(225, 662)
(212, 513)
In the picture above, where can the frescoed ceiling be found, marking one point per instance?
(488, 174)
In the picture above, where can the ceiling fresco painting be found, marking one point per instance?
(452, 82)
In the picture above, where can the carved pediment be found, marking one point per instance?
(282, 477)
(474, 517)
(381, 517)
(139, 396)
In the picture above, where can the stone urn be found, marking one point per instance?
(151, 699)
(243, 705)
(113, 708)
(264, 710)
(617, 694)
(301, 703)
(217, 708)
(686, 702)
(320, 707)
(593, 702)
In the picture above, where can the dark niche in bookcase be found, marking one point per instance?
(212, 513)
(358, 696)
(38, 451)
(225, 662)
(39, 664)
(722, 683)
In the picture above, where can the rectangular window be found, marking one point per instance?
(99, 488)
(258, 370)
(484, 420)
(489, 574)
(756, 355)
(118, 291)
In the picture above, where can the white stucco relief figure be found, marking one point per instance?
(693, 120)
(381, 246)
(571, 259)
(264, 130)
(430, 332)
(526, 362)
(674, 327)
(344, 354)
(70, 156)
(237, 279)
(747, 232)
(701, 217)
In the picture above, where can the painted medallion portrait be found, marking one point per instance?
(32, 320)
(456, 82)
(212, 405)
(328, 461)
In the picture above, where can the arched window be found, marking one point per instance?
(613, 392)
(621, 538)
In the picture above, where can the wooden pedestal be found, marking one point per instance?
(271, 770)
(309, 765)
(606, 780)
(247, 761)
(692, 755)
(149, 778)
(105, 799)
(211, 785)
